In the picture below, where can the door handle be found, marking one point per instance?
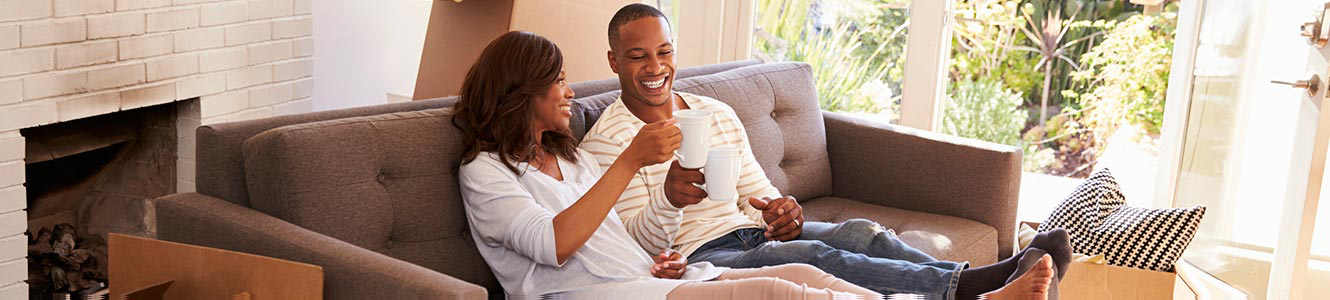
(1312, 85)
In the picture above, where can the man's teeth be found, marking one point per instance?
(655, 84)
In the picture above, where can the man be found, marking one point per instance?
(664, 209)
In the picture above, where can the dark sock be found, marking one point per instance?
(1057, 243)
(1027, 261)
(978, 280)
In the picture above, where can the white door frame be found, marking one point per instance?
(928, 56)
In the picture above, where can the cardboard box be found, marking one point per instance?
(1091, 281)
(153, 269)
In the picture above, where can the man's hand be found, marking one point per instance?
(680, 188)
(784, 217)
(669, 265)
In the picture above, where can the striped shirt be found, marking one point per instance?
(647, 214)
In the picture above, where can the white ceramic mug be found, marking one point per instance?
(695, 125)
(722, 173)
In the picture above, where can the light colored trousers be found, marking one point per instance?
(788, 281)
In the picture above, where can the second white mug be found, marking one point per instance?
(722, 173)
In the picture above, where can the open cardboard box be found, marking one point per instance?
(1093, 281)
(142, 268)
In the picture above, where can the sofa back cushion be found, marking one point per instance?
(777, 104)
(387, 183)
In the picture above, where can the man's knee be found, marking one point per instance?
(863, 226)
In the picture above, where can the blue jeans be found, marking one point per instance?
(858, 251)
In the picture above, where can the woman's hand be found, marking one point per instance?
(669, 265)
(654, 144)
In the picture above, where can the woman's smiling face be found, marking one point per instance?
(553, 109)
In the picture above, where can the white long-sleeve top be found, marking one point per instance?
(650, 217)
(511, 219)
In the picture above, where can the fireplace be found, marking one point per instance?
(93, 176)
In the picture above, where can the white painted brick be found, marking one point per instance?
(224, 13)
(14, 197)
(223, 59)
(292, 70)
(304, 7)
(304, 88)
(184, 2)
(292, 28)
(90, 105)
(14, 172)
(27, 114)
(54, 31)
(221, 104)
(55, 84)
(140, 4)
(86, 54)
(248, 33)
(12, 148)
(201, 85)
(82, 7)
(269, 52)
(270, 94)
(173, 66)
(175, 19)
(115, 25)
(116, 76)
(147, 96)
(15, 270)
(263, 9)
(250, 114)
(18, 290)
(145, 46)
(14, 246)
(196, 39)
(248, 76)
(293, 107)
(213, 120)
(24, 61)
(11, 91)
(9, 37)
(24, 9)
(302, 47)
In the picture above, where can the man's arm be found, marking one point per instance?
(645, 212)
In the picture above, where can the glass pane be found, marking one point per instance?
(1078, 85)
(1240, 136)
(856, 49)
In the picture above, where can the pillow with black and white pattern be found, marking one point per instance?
(1083, 210)
(1099, 222)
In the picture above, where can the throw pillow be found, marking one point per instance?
(1096, 216)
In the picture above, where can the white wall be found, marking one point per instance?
(366, 50)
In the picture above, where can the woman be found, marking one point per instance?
(541, 210)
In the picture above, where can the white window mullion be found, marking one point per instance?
(928, 55)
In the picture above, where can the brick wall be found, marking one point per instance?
(67, 59)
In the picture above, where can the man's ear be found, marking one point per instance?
(614, 65)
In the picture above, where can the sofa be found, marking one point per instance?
(371, 194)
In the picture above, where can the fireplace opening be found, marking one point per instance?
(89, 177)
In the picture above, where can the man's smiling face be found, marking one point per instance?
(644, 59)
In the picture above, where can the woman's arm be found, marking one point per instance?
(654, 144)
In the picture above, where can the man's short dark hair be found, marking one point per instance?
(629, 13)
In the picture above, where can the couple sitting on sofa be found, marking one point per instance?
(552, 218)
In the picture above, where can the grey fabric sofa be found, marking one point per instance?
(370, 194)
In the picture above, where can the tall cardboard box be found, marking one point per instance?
(1091, 281)
(194, 272)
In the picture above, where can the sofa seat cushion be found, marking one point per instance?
(943, 237)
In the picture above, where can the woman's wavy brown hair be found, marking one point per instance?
(494, 110)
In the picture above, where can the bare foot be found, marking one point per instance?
(1032, 285)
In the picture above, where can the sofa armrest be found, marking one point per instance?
(350, 272)
(923, 171)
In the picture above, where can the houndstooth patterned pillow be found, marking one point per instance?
(1099, 222)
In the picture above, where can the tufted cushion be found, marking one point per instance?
(386, 183)
(777, 103)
